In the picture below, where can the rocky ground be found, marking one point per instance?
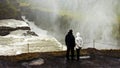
(60, 62)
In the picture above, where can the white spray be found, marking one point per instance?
(94, 19)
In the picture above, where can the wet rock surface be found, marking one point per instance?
(6, 30)
(60, 62)
(36, 62)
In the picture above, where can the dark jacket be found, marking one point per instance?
(70, 40)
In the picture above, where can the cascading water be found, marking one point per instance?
(34, 28)
(94, 19)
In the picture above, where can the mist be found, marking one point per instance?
(94, 19)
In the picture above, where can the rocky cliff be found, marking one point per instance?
(9, 9)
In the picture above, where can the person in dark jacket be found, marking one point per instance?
(70, 43)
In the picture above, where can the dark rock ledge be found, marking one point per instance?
(4, 30)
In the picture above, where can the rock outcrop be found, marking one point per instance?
(6, 30)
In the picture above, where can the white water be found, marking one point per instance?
(40, 32)
(94, 19)
(9, 23)
(17, 42)
(34, 28)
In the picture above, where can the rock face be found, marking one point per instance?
(9, 9)
(6, 30)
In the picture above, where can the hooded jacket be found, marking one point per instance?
(78, 41)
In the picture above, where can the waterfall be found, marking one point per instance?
(34, 28)
(94, 19)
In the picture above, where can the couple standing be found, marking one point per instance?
(73, 43)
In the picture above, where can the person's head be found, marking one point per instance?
(77, 34)
(70, 31)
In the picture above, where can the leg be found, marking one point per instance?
(72, 53)
(78, 53)
(67, 53)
